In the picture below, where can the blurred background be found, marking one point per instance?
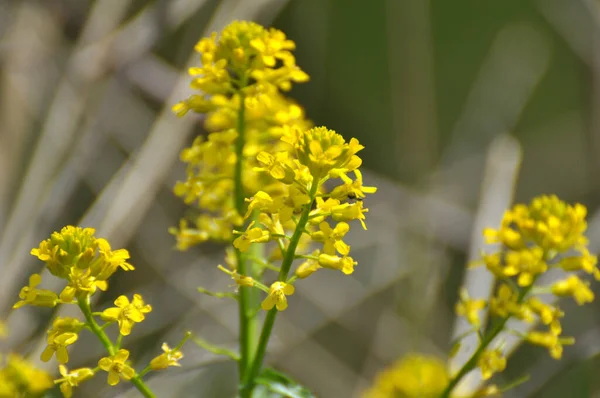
(464, 107)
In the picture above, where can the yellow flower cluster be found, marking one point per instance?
(86, 263)
(414, 376)
(262, 168)
(243, 72)
(546, 234)
(18, 378)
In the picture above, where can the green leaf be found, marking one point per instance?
(274, 384)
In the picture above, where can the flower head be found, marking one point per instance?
(72, 379)
(276, 297)
(31, 295)
(127, 313)
(117, 367)
(490, 362)
(57, 344)
(169, 357)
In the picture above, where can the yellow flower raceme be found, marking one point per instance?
(127, 313)
(85, 261)
(117, 367)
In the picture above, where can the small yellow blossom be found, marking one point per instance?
(504, 303)
(490, 362)
(351, 189)
(276, 297)
(469, 308)
(332, 238)
(252, 235)
(240, 280)
(345, 264)
(526, 263)
(126, 313)
(549, 314)
(308, 267)
(57, 344)
(575, 287)
(169, 357)
(551, 341)
(72, 379)
(33, 296)
(117, 367)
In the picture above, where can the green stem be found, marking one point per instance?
(247, 320)
(485, 342)
(84, 305)
(472, 362)
(265, 334)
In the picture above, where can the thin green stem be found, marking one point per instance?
(472, 362)
(84, 305)
(485, 342)
(265, 334)
(247, 321)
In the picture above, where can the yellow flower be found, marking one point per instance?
(551, 341)
(350, 211)
(351, 189)
(20, 378)
(126, 313)
(169, 357)
(490, 362)
(252, 235)
(504, 303)
(81, 284)
(276, 297)
(469, 308)
(585, 262)
(345, 264)
(57, 344)
(38, 297)
(71, 247)
(66, 325)
(332, 238)
(240, 280)
(116, 367)
(273, 46)
(526, 263)
(414, 376)
(72, 379)
(549, 315)
(277, 166)
(323, 151)
(575, 287)
(308, 267)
